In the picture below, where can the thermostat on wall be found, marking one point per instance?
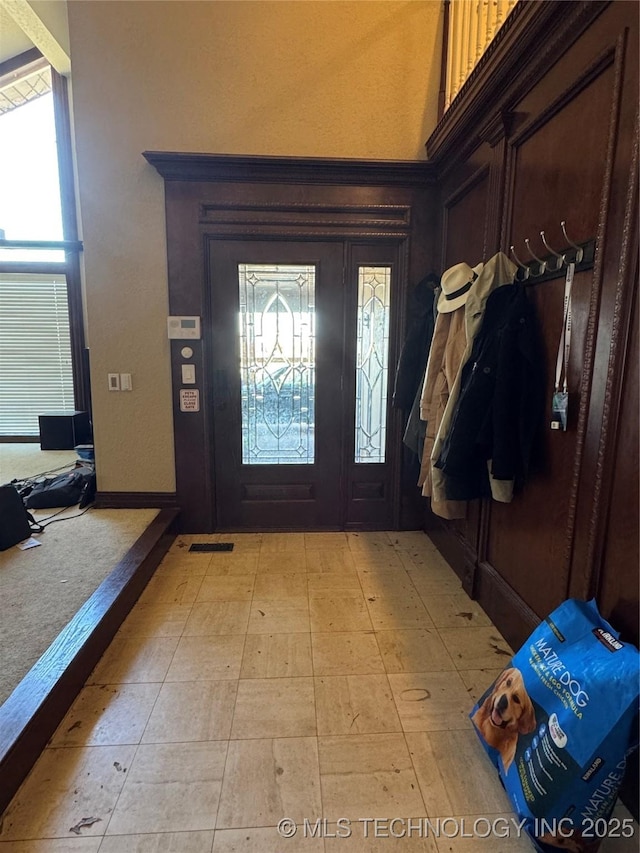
(184, 328)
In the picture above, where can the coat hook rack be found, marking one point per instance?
(554, 265)
(543, 264)
(560, 259)
(523, 272)
(579, 251)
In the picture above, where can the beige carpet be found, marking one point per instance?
(18, 461)
(42, 588)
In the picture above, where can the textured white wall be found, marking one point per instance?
(326, 79)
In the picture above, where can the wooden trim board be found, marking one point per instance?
(135, 500)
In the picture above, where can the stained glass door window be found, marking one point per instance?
(301, 343)
(277, 363)
(372, 363)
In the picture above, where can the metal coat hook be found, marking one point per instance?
(561, 260)
(579, 250)
(526, 272)
(543, 264)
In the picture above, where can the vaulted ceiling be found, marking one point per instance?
(35, 23)
(13, 40)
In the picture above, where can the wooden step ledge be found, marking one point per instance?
(31, 714)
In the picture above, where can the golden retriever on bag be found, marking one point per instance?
(506, 713)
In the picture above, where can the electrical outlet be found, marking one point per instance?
(125, 382)
(114, 381)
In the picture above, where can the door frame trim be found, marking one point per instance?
(216, 197)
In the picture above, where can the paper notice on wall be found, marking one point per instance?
(189, 400)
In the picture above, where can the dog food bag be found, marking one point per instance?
(559, 723)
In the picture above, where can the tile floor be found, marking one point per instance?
(301, 675)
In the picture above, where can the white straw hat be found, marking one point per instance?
(456, 282)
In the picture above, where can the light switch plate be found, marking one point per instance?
(188, 374)
(125, 382)
(114, 381)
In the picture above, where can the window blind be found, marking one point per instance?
(35, 351)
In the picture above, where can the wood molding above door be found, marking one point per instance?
(178, 166)
(211, 198)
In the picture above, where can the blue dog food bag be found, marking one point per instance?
(559, 723)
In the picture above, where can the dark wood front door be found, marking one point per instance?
(299, 355)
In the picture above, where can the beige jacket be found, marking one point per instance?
(453, 339)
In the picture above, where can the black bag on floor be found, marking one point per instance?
(63, 490)
(15, 522)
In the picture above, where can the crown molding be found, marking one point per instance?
(178, 166)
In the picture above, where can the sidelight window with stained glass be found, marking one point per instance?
(277, 363)
(372, 363)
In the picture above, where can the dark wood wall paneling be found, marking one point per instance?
(546, 130)
(617, 586)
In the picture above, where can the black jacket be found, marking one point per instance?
(501, 405)
(415, 350)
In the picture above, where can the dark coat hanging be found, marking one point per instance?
(501, 403)
(415, 349)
